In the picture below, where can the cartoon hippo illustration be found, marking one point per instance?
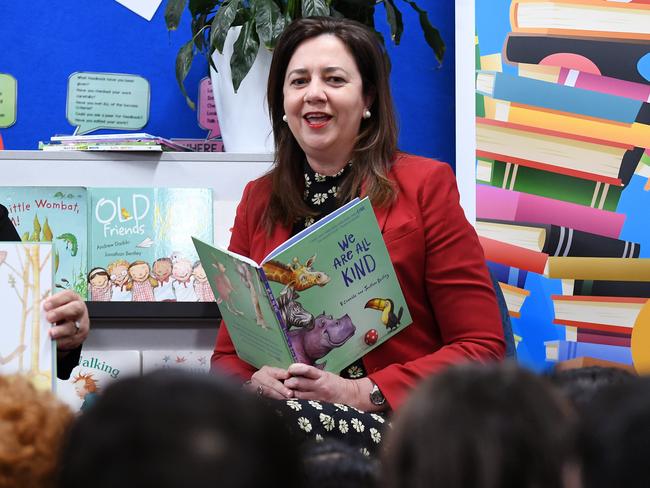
(314, 342)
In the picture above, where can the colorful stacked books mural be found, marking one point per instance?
(119, 244)
(562, 137)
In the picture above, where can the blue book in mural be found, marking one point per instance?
(508, 274)
(140, 246)
(528, 91)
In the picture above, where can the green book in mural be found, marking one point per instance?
(57, 215)
(547, 184)
(325, 297)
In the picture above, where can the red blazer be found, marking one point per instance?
(440, 266)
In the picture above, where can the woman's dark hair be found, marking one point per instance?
(482, 426)
(376, 143)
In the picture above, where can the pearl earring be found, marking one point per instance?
(366, 114)
(284, 117)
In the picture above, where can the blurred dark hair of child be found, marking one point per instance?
(334, 464)
(616, 436)
(483, 426)
(171, 429)
(579, 385)
(32, 427)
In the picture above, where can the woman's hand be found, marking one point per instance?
(268, 381)
(310, 383)
(68, 312)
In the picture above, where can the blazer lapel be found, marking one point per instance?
(380, 213)
(280, 234)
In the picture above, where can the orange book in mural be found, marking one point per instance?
(588, 18)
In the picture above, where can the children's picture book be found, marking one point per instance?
(325, 297)
(140, 247)
(57, 215)
(118, 244)
(25, 282)
(95, 371)
(193, 361)
(111, 142)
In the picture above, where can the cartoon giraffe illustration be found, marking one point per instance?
(298, 276)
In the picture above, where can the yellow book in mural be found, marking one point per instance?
(611, 269)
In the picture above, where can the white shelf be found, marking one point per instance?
(225, 173)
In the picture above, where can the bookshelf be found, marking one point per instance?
(142, 325)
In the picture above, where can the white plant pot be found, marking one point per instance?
(243, 116)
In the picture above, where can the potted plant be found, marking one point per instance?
(247, 30)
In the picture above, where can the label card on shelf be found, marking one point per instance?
(107, 101)
(207, 111)
(8, 95)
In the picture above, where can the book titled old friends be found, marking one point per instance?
(325, 297)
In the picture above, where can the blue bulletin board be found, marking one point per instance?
(43, 42)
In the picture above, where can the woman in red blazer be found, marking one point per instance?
(336, 138)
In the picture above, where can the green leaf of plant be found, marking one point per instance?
(173, 13)
(394, 18)
(431, 34)
(360, 10)
(267, 14)
(244, 53)
(198, 23)
(183, 64)
(311, 8)
(280, 24)
(202, 7)
(221, 24)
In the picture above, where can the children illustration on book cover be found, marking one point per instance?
(95, 371)
(142, 283)
(201, 284)
(86, 388)
(146, 231)
(99, 285)
(120, 281)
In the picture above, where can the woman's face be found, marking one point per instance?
(323, 100)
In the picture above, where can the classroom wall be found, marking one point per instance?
(44, 42)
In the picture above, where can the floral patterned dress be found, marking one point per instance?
(308, 419)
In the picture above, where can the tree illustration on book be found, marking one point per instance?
(25, 281)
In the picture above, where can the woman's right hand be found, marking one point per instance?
(269, 382)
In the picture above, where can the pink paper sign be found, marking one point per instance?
(207, 111)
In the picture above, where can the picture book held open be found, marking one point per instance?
(325, 297)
